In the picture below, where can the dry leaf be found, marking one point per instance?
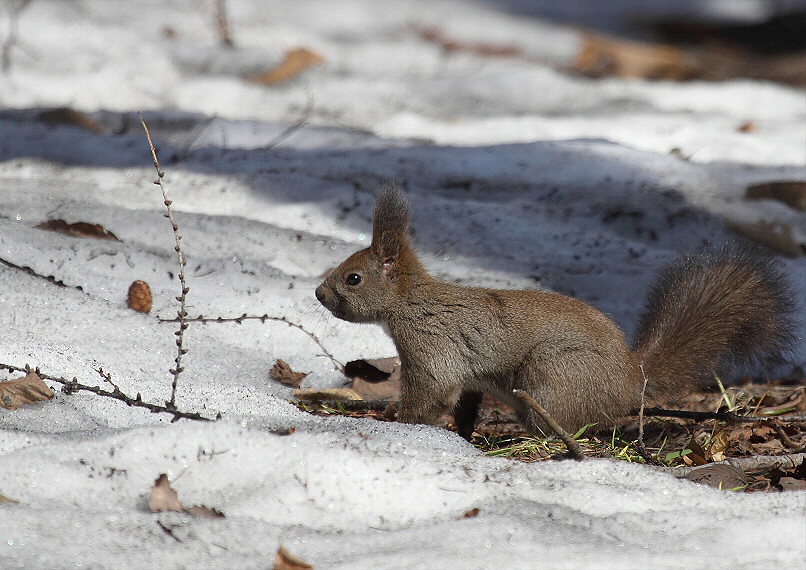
(284, 375)
(163, 497)
(746, 127)
(793, 193)
(67, 116)
(4, 499)
(375, 379)
(27, 390)
(438, 37)
(284, 560)
(469, 514)
(139, 297)
(327, 394)
(719, 475)
(776, 235)
(601, 56)
(296, 61)
(204, 512)
(78, 229)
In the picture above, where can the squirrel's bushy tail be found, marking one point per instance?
(723, 307)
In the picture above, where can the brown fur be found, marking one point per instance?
(455, 342)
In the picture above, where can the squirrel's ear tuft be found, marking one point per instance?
(390, 224)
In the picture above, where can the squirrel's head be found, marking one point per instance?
(368, 285)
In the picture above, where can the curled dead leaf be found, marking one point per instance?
(4, 499)
(472, 513)
(284, 560)
(296, 61)
(22, 391)
(283, 373)
(68, 116)
(139, 297)
(78, 229)
(326, 394)
(375, 379)
(163, 498)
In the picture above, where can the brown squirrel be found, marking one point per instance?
(722, 306)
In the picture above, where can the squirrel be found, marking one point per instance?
(723, 306)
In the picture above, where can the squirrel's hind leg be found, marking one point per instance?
(465, 413)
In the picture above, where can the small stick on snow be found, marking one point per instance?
(182, 313)
(573, 446)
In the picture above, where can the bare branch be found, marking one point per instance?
(182, 313)
(72, 386)
(262, 319)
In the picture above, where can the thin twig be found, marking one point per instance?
(303, 120)
(31, 272)
(262, 319)
(720, 416)
(573, 445)
(71, 386)
(640, 447)
(182, 313)
(15, 9)
(222, 23)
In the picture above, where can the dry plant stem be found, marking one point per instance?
(641, 448)
(182, 313)
(721, 416)
(573, 446)
(262, 319)
(222, 23)
(15, 9)
(306, 114)
(70, 386)
(33, 273)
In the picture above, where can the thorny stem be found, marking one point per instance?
(71, 386)
(262, 319)
(182, 313)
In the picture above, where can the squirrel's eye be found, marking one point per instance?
(353, 279)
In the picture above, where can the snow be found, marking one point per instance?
(520, 175)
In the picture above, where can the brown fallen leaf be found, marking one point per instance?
(746, 127)
(296, 61)
(326, 394)
(792, 193)
(204, 512)
(375, 379)
(163, 498)
(67, 116)
(438, 37)
(719, 475)
(284, 560)
(472, 513)
(27, 390)
(78, 229)
(139, 297)
(602, 56)
(282, 372)
(4, 499)
(776, 235)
